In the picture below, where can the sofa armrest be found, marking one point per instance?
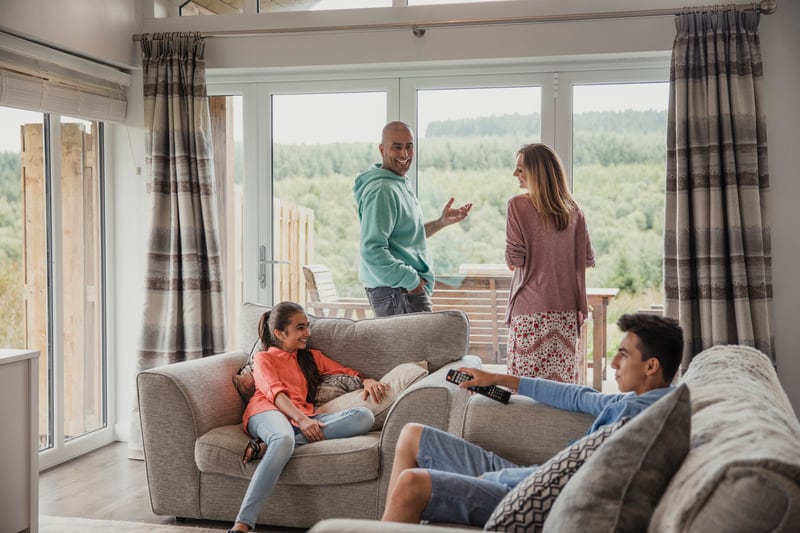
(431, 401)
(524, 431)
(177, 404)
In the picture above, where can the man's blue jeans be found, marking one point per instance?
(388, 301)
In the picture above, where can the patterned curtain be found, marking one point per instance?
(717, 262)
(184, 316)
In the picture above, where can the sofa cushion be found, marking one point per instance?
(526, 506)
(329, 462)
(620, 485)
(249, 315)
(399, 379)
(745, 449)
(376, 345)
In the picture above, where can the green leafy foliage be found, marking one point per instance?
(10, 207)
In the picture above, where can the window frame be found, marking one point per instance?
(567, 80)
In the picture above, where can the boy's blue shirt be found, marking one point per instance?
(608, 408)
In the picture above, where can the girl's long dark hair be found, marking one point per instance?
(278, 318)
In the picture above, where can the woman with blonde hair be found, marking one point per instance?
(548, 249)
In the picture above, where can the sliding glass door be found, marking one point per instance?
(52, 267)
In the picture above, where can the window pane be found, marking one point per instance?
(23, 248)
(226, 131)
(82, 288)
(466, 147)
(320, 143)
(318, 5)
(619, 164)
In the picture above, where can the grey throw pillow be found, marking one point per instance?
(525, 508)
(620, 486)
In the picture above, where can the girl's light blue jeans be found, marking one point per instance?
(281, 437)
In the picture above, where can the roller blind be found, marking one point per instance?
(40, 78)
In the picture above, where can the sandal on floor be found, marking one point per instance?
(252, 451)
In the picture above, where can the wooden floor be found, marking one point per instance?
(106, 484)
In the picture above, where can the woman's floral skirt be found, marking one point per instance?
(545, 345)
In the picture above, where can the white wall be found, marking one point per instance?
(780, 42)
(99, 29)
(618, 38)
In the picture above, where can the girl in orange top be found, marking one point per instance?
(280, 414)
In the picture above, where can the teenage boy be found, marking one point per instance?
(439, 477)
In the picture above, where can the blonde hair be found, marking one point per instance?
(548, 189)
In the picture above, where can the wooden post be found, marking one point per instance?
(294, 235)
(34, 254)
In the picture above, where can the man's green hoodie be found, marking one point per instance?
(393, 249)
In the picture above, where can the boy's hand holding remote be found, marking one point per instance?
(481, 378)
(501, 394)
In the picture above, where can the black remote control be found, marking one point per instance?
(494, 392)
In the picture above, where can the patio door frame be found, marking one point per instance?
(554, 76)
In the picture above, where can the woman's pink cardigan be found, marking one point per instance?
(549, 265)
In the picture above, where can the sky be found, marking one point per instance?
(359, 117)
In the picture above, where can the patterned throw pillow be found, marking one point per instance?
(526, 507)
(335, 385)
(331, 387)
(243, 378)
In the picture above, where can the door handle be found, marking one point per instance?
(262, 265)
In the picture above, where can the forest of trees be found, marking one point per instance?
(618, 179)
(10, 250)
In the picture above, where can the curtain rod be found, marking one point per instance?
(766, 7)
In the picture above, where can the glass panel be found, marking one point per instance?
(23, 246)
(265, 6)
(466, 147)
(194, 8)
(82, 288)
(320, 143)
(226, 131)
(619, 164)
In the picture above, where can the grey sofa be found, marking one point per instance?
(742, 472)
(193, 440)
